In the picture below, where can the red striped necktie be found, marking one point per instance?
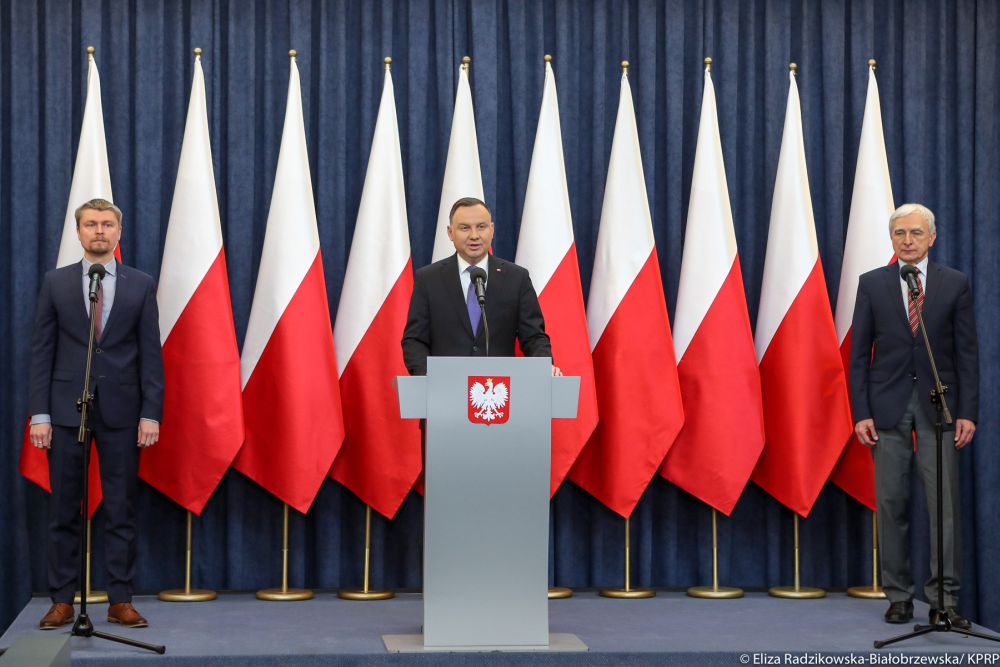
(916, 305)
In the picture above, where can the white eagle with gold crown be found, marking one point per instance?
(489, 400)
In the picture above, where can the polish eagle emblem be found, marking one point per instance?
(489, 400)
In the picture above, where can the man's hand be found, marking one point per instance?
(865, 430)
(557, 372)
(964, 428)
(149, 433)
(41, 435)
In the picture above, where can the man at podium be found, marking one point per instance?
(446, 317)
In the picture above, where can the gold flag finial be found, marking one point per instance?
(197, 52)
(793, 68)
(292, 53)
(388, 63)
(90, 52)
(708, 63)
(466, 60)
(624, 67)
(871, 63)
(547, 58)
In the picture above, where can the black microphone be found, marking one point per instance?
(909, 273)
(96, 273)
(478, 276)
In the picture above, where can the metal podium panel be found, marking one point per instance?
(487, 507)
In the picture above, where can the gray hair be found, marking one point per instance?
(910, 209)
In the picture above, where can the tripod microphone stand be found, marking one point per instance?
(83, 627)
(943, 416)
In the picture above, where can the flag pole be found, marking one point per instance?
(285, 594)
(873, 592)
(366, 593)
(715, 592)
(188, 594)
(797, 592)
(628, 592)
(93, 597)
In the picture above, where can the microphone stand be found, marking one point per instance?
(943, 416)
(486, 324)
(83, 627)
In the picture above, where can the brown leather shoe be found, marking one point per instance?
(58, 615)
(125, 614)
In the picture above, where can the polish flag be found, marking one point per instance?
(291, 400)
(868, 247)
(462, 176)
(807, 416)
(381, 458)
(91, 180)
(547, 249)
(723, 432)
(638, 392)
(202, 404)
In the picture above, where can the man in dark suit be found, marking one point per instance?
(890, 385)
(444, 310)
(127, 383)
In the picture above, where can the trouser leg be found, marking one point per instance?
(892, 455)
(951, 519)
(66, 477)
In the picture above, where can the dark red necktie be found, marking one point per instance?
(916, 305)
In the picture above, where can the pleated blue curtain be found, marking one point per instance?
(938, 75)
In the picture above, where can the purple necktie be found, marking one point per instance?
(472, 303)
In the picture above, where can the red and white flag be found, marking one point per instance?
(462, 176)
(546, 248)
(202, 405)
(867, 247)
(91, 180)
(291, 399)
(723, 430)
(381, 458)
(638, 392)
(807, 416)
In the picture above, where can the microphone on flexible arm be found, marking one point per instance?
(909, 273)
(478, 276)
(96, 273)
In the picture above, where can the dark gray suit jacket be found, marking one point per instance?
(127, 369)
(438, 320)
(886, 358)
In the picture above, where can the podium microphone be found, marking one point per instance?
(908, 272)
(478, 276)
(96, 273)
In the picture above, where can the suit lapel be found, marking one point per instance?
(936, 277)
(895, 294)
(74, 288)
(121, 285)
(451, 287)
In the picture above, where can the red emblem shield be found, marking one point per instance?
(489, 399)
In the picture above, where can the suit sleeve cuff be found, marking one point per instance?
(41, 419)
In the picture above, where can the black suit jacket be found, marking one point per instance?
(127, 370)
(886, 358)
(438, 320)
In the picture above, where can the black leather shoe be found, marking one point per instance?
(899, 612)
(955, 619)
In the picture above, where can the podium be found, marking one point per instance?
(486, 498)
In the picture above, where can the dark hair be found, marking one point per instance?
(466, 202)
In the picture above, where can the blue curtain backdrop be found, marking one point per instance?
(938, 75)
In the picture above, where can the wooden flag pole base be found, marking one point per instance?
(873, 592)
(187, 594)
(93, 597)
(715, 591)
(366, 593)
(627, 593)
(797, 592)
(560, 592)
(284, 594)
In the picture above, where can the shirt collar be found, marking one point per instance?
(483, 264)
(921, 266)
(111, 266)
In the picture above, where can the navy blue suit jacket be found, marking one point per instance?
(438, 321)
(886, 358)
(127, 370)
